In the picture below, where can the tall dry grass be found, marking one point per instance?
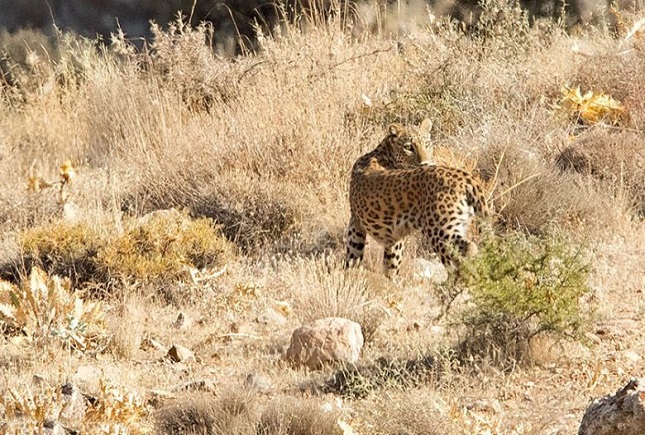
(263, 143)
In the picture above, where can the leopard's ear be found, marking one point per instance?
(425, 126)
(395, 129)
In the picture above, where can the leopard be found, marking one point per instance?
(397, 189)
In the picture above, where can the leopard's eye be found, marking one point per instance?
(407, 147)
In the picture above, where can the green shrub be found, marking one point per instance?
(521, 287)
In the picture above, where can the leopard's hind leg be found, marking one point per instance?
(392, 256)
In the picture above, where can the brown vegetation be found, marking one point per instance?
(256, 152)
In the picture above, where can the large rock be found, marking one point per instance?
(326, 341)
(620, 414)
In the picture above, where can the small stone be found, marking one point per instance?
(632, 356)
(179, 353)
(151, 343)
(38, 379)
(52, 427)
(87, 377)
(258, 382)
(74, 403)
(271, 317)
(433, 271)
(182, 321)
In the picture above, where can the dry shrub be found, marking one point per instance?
(298, 417)
(20, 67)
(36, 67)
(255, 214)
(44, 307)
(616, 70)
(411, 412)
(116, 410)
(238, 413)
(531, 195)
(126, 327)
(63, 249)
(183, 57)
(502, 28)
(235, 413)
(617, 158)
(323, 288)
(161, 246)
(48, 409)
(385, 373)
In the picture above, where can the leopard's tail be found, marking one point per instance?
(476, 198)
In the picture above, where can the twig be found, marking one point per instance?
(239, 334)
(350, 59)
(516, 185)
(498, 165)
(249, 69)
(193, 274)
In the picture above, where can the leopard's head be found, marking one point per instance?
(404, 147)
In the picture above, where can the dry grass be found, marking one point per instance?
(321, 288)
(126, 328)
(412, 412)
(614, 158)
(234, 414)
(262, 144)
(240, 413)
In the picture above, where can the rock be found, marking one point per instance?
(151, 343)
(271, 317)
(179, 353)
(325, 341)
(620, 414)
(52, 427)
(434, 271)
(74, 405)
(258, 382)
(182, 321)
(88, 377)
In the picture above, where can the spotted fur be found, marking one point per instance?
(396, 190)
